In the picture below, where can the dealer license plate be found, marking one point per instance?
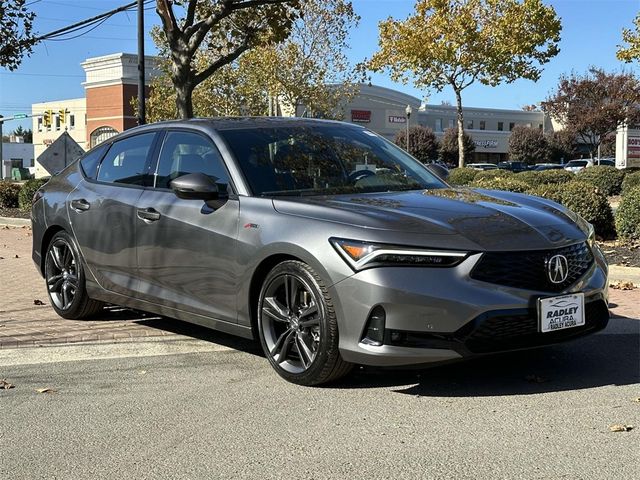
(558, 313)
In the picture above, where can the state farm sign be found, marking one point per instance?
(361, 116)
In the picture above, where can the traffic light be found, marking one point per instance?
(47, 118)
(62, 114)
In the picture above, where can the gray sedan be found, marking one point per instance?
(323, 240)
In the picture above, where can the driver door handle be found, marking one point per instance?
(80, 205)
(148, 215)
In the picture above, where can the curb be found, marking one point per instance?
(15, 222)
(624, 274)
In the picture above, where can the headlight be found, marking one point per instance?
(591, 235)
(360, 255)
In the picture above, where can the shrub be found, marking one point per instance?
(461, 176)
(501, 183)
(630, 180)
(628, 215)
(555, 176)
(449, 146)
(585, 200)
(9, 194)
(591, 204)
(528, 145)
(607, 179)
(497, 173)
(28, 190)
(550, 191)
(423, 143)
(529, 177)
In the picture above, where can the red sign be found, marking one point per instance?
(361, 116)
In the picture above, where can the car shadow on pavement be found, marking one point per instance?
(589, 362)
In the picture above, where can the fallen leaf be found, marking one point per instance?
(45, 390)
(38, 302)
(637, 400)
(142, 372)
(622, 285)
(535, 379)
(4, 385)
(619, 427)
(17, 256)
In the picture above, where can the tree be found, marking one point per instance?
(17, 39)
(631, 51)
(595, 104)
(225, 29)
(450, 146)
(308, 68)
(528, 145)
(562, 146)
(459, 42)
(27, 135)
(422, 141)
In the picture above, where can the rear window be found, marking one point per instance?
(90, 161)
(577, 163)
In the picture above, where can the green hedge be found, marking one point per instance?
(9, 194)
(550, 191)
(628, 215)
(607, 179)
(28, 190)
(461, 176)
(545, 177)
(496, 173)
(501, 183)
(630, 181)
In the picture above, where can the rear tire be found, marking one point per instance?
(297, 326)
(65, 279)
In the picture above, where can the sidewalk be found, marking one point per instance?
(25, 323)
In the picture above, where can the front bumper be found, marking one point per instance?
(439, 315)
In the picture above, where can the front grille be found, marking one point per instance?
(507, 332)
(528, 269)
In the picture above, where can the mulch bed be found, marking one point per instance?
(618, 253)
(14, 213)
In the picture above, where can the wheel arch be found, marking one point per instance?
(46, 239)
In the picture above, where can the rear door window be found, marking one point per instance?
(126, 160)
(90, 161)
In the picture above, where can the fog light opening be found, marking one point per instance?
(374, 333)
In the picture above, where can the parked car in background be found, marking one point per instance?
(482, 166)
(547, 166)
(609, 162)
(322, 240)
(513, 166)
(576, 166)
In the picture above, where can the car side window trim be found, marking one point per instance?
(153, 173)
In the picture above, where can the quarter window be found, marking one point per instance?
(184, 153)
(91, 160)
(126, 159)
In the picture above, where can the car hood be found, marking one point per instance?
(458, 218)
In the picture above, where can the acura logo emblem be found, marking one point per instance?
(558, 268)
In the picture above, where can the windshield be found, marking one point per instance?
(577, 163)
(324, 160)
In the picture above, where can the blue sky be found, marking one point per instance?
(591, 31)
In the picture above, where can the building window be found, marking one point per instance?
(39, 124)
(72, 122)
(101, 134)
(483, 125)
(438, 124)
(500, 126)
(539, 126)
(511, 125)
(469, 124)
(57, 122)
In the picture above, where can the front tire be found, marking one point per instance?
(65, 279)
(298, 327)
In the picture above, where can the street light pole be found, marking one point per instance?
(408, 111)
(141, 73)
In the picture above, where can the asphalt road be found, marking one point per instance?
(156, 409)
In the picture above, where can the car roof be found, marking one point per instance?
(240, 123)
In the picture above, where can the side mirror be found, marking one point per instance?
(195, 186)
(438, 170)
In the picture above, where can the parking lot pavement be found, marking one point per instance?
(27, 319)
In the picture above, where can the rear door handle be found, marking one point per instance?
(80, 205)
(148, 215)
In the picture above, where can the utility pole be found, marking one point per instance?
(141, 74)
